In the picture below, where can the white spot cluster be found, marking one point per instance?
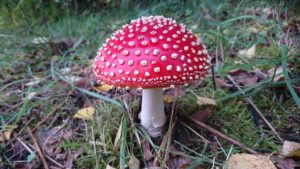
(151, 52)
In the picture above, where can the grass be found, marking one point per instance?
(33, 84)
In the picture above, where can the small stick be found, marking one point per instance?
(213, 77)
(47, 116)
(256, 109)
(217, 133)
(55, 162)
(38, 149)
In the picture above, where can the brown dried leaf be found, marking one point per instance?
(147, 152)
(286, 164)
(222, 83)
(50, 140)
(180, 162)
(249, 161)
(244, 77)
(202, 115)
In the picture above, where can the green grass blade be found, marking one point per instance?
(123, 144)
(287, 78)
(239, 92)
(91, 93)
(229, 21)
(100, 97)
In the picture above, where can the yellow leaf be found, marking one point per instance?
(168, 99)
(85, 113)
(6, 134)
(291, 149)
(205, 101)
(249, 161)
(103, 88)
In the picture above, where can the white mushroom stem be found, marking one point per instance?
(153, 115)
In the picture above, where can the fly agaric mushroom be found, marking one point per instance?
(151, 53)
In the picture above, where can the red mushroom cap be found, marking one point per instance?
(151, 52)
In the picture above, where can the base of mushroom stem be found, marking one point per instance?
(152, 114)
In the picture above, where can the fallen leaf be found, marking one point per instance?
(291, 149)
(180, 162)
(7, 132)
(85, 113)
(205, 101)
(103, 88)
(249, 161)
(244, 77)
(118, 136)
(248, 53)
(169, 99)
(50, 139)
(134, 163)
(286, 164)
(278, 75)
(222, 83)
(202, 115)
(146, 151)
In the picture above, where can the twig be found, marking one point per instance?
(256, 109)
(53, 161)
(47, 116)
(219, 134)
(37, 148)
(25, 145)
(213, 77)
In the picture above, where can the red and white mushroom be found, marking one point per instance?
(151, 53)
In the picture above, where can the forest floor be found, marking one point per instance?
(252, 96)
